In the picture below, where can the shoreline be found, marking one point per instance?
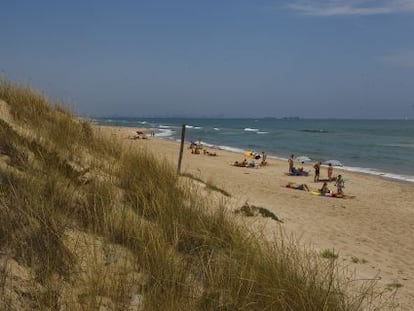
(374, 226)
(171, 130)
(406, 179)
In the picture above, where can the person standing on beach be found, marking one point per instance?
(263, 158)
(317, 168)
(340, 185)
(330, 171)
(291, 164)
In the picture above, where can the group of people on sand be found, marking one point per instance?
(196, 149)
(252, 164)
(141, 134)
(245, 163)
(293, 171)
(317, 167)
(324, 190)
(339, 184)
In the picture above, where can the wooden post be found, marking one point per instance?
(180, 157)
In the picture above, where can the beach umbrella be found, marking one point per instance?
(333, 162)
(303, 159)
(252, 154)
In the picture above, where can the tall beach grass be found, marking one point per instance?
(90, 224)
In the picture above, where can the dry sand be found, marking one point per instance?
(375, 227)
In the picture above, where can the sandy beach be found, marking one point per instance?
(371, 230)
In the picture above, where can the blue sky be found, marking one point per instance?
(245, 58)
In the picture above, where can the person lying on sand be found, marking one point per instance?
(206, 152)
(295, 186)
(252, 164)
(241, 164)
(298, 172)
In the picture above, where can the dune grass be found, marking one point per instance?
(93, 225)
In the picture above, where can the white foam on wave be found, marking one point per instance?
(277, 158)
(216, 129)
(143, 122)
(164, 126)
(262, 133)
(231, 149)
(164, 133)
(371, 171)
(188, 126)
(249, 129)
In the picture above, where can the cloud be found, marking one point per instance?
(351, 7)
(402, 58)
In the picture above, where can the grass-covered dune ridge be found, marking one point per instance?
(86, 223)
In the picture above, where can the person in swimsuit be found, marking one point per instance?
(292, 185)
(330, 172)
(317, 168)
(324, 189)
(291, 164)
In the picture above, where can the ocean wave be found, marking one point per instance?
(231, 149)
(188, 126)
(216, 129)
(164, 126)
(164, 133)
(276, 157)
(399, 145)
(314, 131)
(249, 129)
(262, 133)
(371, 171)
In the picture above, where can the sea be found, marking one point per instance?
(377, 147)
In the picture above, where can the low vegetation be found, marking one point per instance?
(86, 224)
(329, 254)
(358, 260)
(252, 210)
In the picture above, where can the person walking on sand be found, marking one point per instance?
(330, 171)
(317, 168)
(290, 161)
